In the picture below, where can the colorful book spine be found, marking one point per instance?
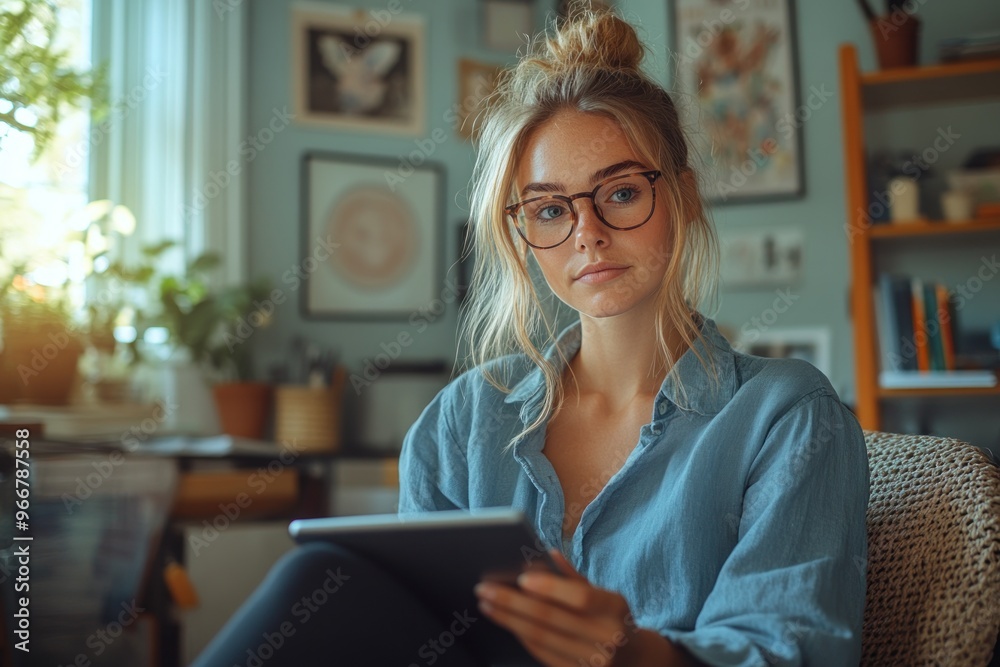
(934, 343)
(920, 341)
(947, 326)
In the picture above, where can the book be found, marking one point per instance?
(885, 324)
(933, 327)
(937, 379)
(947, 326)
(903, 315)
(920, 341)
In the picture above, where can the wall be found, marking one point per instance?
(451, 33)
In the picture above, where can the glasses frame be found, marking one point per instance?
(514, 209)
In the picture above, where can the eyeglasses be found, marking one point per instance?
(621, 202)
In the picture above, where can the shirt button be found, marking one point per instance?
(663, 408)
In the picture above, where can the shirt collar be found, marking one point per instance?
(703, 394)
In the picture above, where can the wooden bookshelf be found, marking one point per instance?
(934, 228)
(950, 83)
(862, 93)
(939, 392)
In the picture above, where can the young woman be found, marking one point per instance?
(708, 506)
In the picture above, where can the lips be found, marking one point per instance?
(600, 271)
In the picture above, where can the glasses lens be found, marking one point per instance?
(545, 222)
(625, 202)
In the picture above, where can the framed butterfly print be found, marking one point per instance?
(359, 70)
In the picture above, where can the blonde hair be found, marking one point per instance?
(590, 64)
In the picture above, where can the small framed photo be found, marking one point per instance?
(476, 82)
(352, 72)
(810, 344)
(507, 24)
(755, 259)
(371, 237)
(736, 73)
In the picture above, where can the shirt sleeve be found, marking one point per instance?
(792, 591)
(433, 469)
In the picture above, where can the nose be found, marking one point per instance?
(590, 232)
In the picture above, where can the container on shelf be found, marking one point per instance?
(309, 418)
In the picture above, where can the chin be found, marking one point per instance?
(603, 306)
(610, 302)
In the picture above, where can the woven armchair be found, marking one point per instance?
(933, 553)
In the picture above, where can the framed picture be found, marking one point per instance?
(371, 242)
(810, 344)
(738, 83)
(352, 72)
(507, 24)
(754, 259)
(476, 81)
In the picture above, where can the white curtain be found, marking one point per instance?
(177, 79)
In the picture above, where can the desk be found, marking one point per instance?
(106, 538)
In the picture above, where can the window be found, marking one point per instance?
(39, 197)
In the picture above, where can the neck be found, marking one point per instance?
(620, 358)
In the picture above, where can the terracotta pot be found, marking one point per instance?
(39, 366)
(897, 39)
(243, 407)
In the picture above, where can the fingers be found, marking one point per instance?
(554, 635)
(538, 612)
(575, 593)
(553, 649)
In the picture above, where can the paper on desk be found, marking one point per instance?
(216, 445)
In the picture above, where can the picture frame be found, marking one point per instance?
(352, 72)
(476, 82)
(737, 77)
(506, 24)
(371, 246)
(761, 258)
(810, 344)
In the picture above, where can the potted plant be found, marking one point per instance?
(214, 328)
(40, 345)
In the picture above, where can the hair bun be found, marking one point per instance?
(597, 39)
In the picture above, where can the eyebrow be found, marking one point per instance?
(599, 175)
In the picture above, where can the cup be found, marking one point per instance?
(956, 206)
(904, 202)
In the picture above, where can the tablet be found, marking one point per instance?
(440, 557)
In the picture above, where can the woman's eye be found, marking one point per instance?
(622, 196)
(550, 212)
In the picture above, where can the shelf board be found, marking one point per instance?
(939, 391)
(934, 228)
(950, 83)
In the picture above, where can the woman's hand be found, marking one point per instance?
(566, 621)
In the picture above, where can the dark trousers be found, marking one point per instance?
(324, 605)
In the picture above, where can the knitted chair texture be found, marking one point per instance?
(933, 553)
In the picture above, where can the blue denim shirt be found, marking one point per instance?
(736, 527)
